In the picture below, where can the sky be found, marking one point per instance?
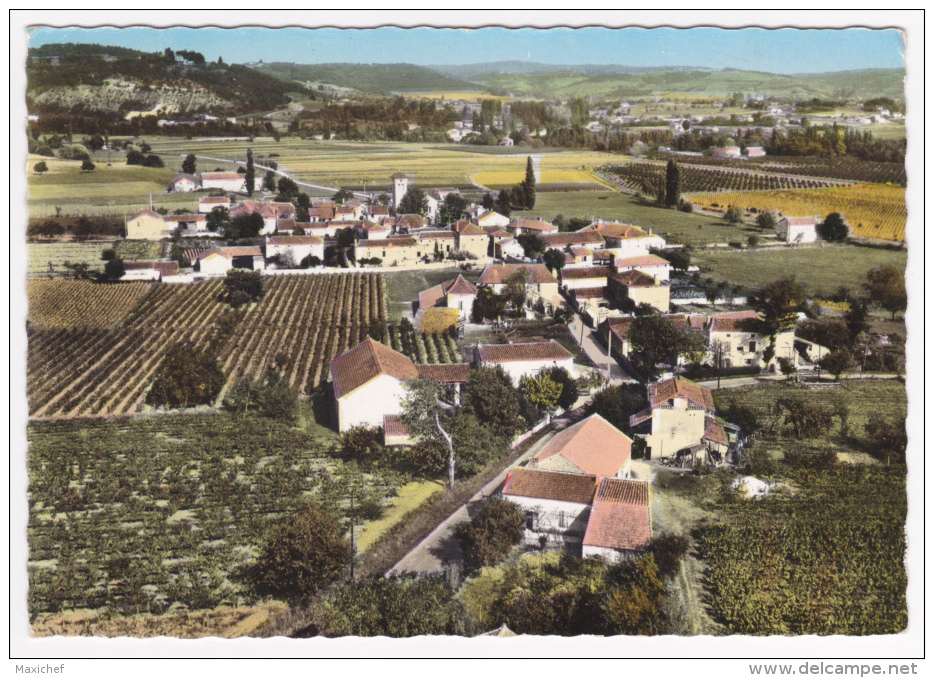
(784, 50)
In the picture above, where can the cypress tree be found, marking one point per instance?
(529, 188)
(673, 184)
(250, 174)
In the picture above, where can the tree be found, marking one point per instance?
(87, 165)
(426, 413)
(342, 196)
(569, 391)
(413, 202)
(532, 245)
(834, 228)
(188, 164)
(311, 261)
(153, 161)
(787, 367)
(617, 403)
(494, 531)
(672, 184)
(82, 229)
(778, 304)
(503, 206)
(218, 220)
(51, 229)
(250, 178)
(492, 397)
(837, 362)
(243, 226)
(243, 287)
(288, 189)
(488, 305)
(476, 443)
(488, 201)
(430, 456)
(270, 397)
(887, 441)
(634, 606)
(542, 391)
(654, 339)
(346, 237)
(361, 443)
(134, 157)
(856, 320)
(114, 269)
(40, 167)
(886, 288)
(269, 182)
(766, 221)
(301, 555)
(514, 290)
(668, 551)
(554, 259)
(525, 191)
(169, 56)
(451, 209)
(733, 215)
(187, 378)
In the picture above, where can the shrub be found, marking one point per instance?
(733, 214)
(187, 377)
(243, 287)
(668, 550)
(361, 442)
(302, 555)
(429, 455)
(887, 441)
(634, 606)
(491, 535)
(270, 397)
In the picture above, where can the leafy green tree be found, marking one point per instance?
(218, 220)
(542, 391)
(634, 607)
(672, 184)
(451, 209)
(250, 178)
(488, 201)
(778, 304)
(40, 167)
(554, 259)
(114, 269)
(153, 161)
(834, 228)
(270, 397)
(733, 215)
(186, 378)
(189, 164)
(427, 412)
(837, 362)
(532, 245)
(766, 221)
(569, 391)
(476, 443)
(302, 555)
(243, 287)
(361, 443)
(503, 205)
(51, 229)
(492, 397)
(242, 226)
(346, 237)
(654, 339)
(269, 182)
(887, 441)
(856, 320)
(429, 455)
(488, 305)
(886, 288)
(342, 196)
(668, 551)
(87, 165)
(787, 367)
(82, 229)
(396, 607)
(494, 531)
(134, 157)
(413, 202)
(617, 403)
(515, 289)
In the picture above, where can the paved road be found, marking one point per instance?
(588, 341)
(282, 173)
(440, 546)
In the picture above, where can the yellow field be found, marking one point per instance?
(548, 177)
(580, 160)
(411, 496)
(457, 96)
(873, 210)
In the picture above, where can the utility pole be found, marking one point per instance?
(353, 552)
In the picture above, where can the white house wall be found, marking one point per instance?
(367, 405)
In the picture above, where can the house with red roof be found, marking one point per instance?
(614, 332)
(219, 260)
(634, 287)
(525, 360)
(519, 226)
(676, 418)
(738, 340)
(797, 230)
(490, 219)
(592, 446)
(472, 239)
(456, 293)
(289, 250)
(184, 183)
(147, 225)
(594, 516)
(541, 281)
(626, 240)
(367, 384)
(650, 264)
(207, 204)
(271, 212)
(226, 181)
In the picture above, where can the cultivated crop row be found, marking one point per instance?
(71, 303)
(299, 326)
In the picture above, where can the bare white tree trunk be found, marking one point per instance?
(450, 444)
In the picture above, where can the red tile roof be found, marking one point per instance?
(634, 278)
(618, 231)
(185, 218)
(437, 235)
(645, 260)
(410, 221)
(570, 487)
(222, 176)
(733, 322)
(267, 210)
(230, 252)
(801, 221)
(532, 225)
(164, 267)
(321, 212)
(713, 431)
(687, 323)
(379, 210)
(460, 286)
(365, 362)
(619, 327)
(508, 353)
(469, 230)
(589, 292)
(564, 239)
(145, 213)
(496, 274)
(294, 240)
(454, 373)
(664, 391)
(593, 445)
(587, 272)
(394, 428)
(215, 200)
(619, 525)
(388, 243)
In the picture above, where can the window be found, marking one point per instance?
(752, 347)
(562, 519)
(530, 519)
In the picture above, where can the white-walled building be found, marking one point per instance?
(797, 229)
(400, 186)
(526, 360)
(592, 446)
(295, 246)
(226, 181)
(271, 212)
(219, 260)
(207, 204)
(368, 383)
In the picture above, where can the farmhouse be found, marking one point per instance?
(675, 419)
(456, 293)
(520, 226)
(322, 212)
(739, 341)
(636, 287)
(649, 264)
(370, 230)
(592, 446)
(271, 212)
(391, 251)
(184, 183)
(207, 204)
(226, 181)
(491, 219)
(472, 239)
(626, 241)
(540, 279)
(408, 223)
(291, 249)
(367, 384)
(620, 520)
(525, 360)
(147, 225)
(219, 260)
(561, 241)
(797, 229)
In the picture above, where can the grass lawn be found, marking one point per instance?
(674, 226)
(63, 182)
(822, 270)
(402, 287)
(410, 497)
(41, 255)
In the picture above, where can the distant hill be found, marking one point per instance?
(470, 71)
(566, 84)
(83, 81)
(373, 78)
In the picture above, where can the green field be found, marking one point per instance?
(138, 515)
(42, 255)
(822, 270)
(403, 287)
